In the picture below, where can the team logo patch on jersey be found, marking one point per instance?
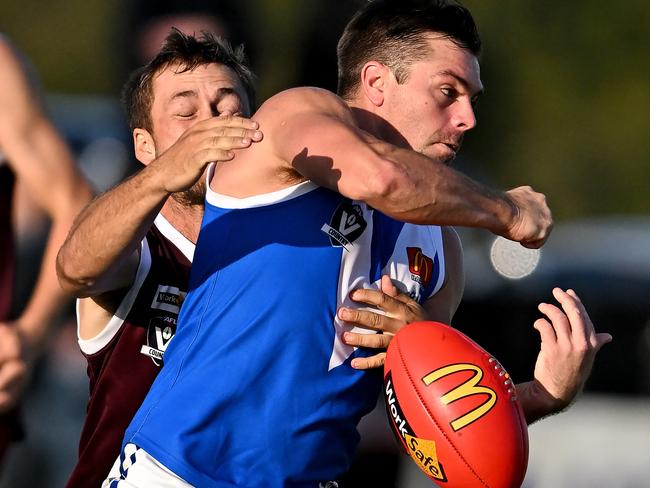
(160, 332)
(420, 266)
(346, 226)
(168, 298)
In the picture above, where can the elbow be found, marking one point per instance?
(70, 280)
(380, 184)
(388, 189)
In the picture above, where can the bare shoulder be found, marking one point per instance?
(303, 100)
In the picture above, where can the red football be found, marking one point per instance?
(454, 408)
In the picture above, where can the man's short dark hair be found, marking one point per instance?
(188, 52)
(394, 32)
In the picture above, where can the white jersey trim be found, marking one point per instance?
(224, 201)
(172, 234)
(101, 340)
(135, 468)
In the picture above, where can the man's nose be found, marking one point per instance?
(464, 116)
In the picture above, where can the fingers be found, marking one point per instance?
(12, 378)
(375, 298)
(370, 320)
(602, 338)
(533, 221)
(233, 137)
(372, 341)
(376, 361)
(582, 329)
(536, 244)
(546, 331)
(221, 148)
(233, 121)
(387, 286)
(393, 305)
(558, 321)
(225, 133)
(231, 126)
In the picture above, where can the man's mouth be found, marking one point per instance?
(452, 146)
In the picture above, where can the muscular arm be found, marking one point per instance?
(101, 252)
(314, 133)
(44, 166)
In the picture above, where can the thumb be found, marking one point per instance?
(602, 339)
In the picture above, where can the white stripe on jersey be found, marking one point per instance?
(135, 468)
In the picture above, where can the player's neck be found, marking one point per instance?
(185, 218)
(374, 124)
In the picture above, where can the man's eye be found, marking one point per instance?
(186, 115)
(449, 92)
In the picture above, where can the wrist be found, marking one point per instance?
(537, 402)
(152, 181)
(31, 337)
(507, 214)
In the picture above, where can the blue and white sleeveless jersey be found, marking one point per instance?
(257, 388)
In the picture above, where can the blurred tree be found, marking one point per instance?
(567, 103)
(73, 43)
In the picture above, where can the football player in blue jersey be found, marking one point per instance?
(259, 386)
(256, 394)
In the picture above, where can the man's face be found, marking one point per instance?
(181, 99)
(433, 109)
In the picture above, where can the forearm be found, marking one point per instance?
(536, 402)
(108, 232)
(418, 190)
(48, 298)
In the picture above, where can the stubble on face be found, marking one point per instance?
(442, 147)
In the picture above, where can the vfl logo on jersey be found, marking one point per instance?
(346, 226)
(160, 332)
(168, 298)
(467, 388)
(422, 451)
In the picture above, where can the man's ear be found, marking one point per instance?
(145, 148)
(374, 77)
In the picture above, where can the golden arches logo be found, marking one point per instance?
(420, 264)
(468, 388)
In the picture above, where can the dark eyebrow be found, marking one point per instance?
(226, 91)
(460, 80)
(183, 94)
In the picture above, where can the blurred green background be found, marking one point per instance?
(567, 102)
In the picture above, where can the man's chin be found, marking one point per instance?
(440, 153)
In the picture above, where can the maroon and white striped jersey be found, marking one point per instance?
(125, 357)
